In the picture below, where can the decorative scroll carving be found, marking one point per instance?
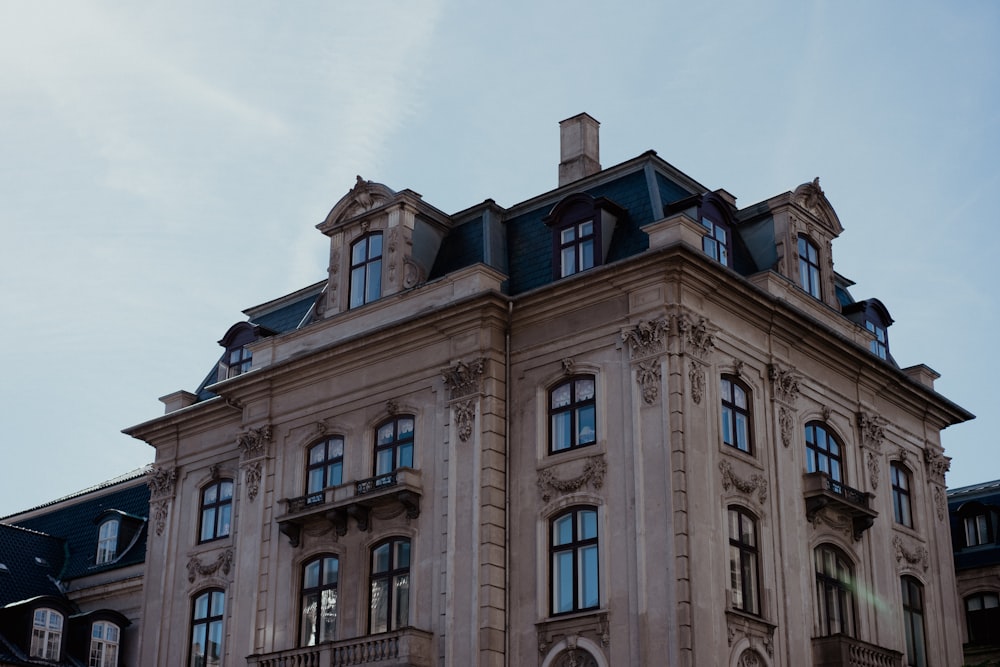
(647, 338)
(465, 415)
(871, 428)
(937, 465)
(756, 483)
(939, 502)
(161, 481)
(696, 374)
(786, 422)
(784, 383)
(648, 377)
(159, 509)
(917, 556)
(592, 475)
(223, 563)
(463, 379)
(253, 443)
(695, 336)
(253, 474)
(413, 274)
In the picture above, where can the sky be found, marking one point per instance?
(163, 166)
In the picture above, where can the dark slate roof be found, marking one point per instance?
(33, 561)
(287, 317)
(983, 495)
(461, 248)
(75, 524)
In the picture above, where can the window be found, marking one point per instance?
(326, 464)
(978, 529)
(394, 445)
(239, 361)
(715, 242)
(982, 616)
(216, 510)
(744, 581)
(913, 620)
(576, 248)
(823, 452)
(319, 600)
(104, 645)
(366, 269)
(879, 346)
(901, 495)
(735, 414)
(46, 634)
(834, 593)
(572, 414)
(582, 227)
(574, 560)
(107, 542)
(809, 267)
(206, 629)
(390, 586)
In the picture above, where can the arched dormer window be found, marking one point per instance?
(237, 359)
(104, 644)
(809, 272)
(366, 269)
(107, 541)
(717, 241)
(46, 634)
(582, 227)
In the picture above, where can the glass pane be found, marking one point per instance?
(331, 569)
(587, 432)
(380, 559)
(386, 433)
(201, 606)
(207, 524)
(359, 251)
(405, 454)
(379, 614)
(567, 235)
(310, 575)
(315, 480)
(198, 639)
(357, 287)
(587, 255)
(974, 604)
(374, 246)
(405, 428)
(742, 433)
(328, 611)
(214, 642)
(402, 600)
(586, 228)
(585, 389)
(335, 448)
(224, 513)
(317, 454)
(562, 424)
(384, 462)
(562, 581)
(561, 396)
(739, 397)
(568, 261)
(374, 290)
(727, 426)
(835, 470)
(334, 474)
(991, 600)
(707, 224)
(588, 577)
(562, 530)
(211, 495)
(402, 554)
(588, 525)
(310, 609)
(226, 490)
(218, 603)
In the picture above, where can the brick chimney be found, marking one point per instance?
(579, 148)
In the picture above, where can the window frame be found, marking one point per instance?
(744, 561)
(396, 445)
(718, 249)
(322, 587)
(104, 651)
(901, 481)
(730, 406)
(816, 453)
(361, 272)
(810, 272)
(215, 506)
(397, 578)
(914, 628)
(834, 592)
(324, 466)
(210, 621)
(46, 639)
(107, 545)
(576, 409)
(974, 638)
(880, 346)
(579, 548)
(977, 524)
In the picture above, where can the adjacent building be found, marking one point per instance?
(623, 422)
(71, 578)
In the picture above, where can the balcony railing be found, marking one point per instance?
(355, 501)
(844, 651)
(408, 647)
(823, 491)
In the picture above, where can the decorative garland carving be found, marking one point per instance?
(593, 475)
(756, 483)
(647, 338)
(648, 377)
(223, 563)
(784, 383)
(696, 374)
(161, 481)
(939, 502)
(253, 442)
(917, 556)
(159, 511)
(465, 415)
(695, 336)
(874, 469)
(253, 474)
(937, 465)
(786, 423)
(463, 379)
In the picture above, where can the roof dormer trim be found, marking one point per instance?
(365, 196)
(810, 196)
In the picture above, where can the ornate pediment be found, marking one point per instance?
(811, 197)
(363, 197)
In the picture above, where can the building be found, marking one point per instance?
(624, 422)
(71, 578)
(975, 511)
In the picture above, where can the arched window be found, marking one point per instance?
(901, 506)
(572, 414)
(913, 622)
(823, 452)
(394, 444)
(389, 607)
(326, 464)
(744, 567)
(834, 592)
(46, 634)
(366, 269)
(982, 617)
(107, 541)
(319, 600)
(736, 422)
(207, 614)
(809, 267)
(574, 561)
(104, 644)
(216, 510)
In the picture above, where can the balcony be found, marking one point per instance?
(338, 505)
(844, 651)
(822, 491)
(408, 647)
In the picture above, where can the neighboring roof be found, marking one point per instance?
(31, 560)
(978, 496)
(963, 492)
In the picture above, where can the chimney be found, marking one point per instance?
(579, 148)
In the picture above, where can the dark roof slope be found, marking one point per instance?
(31, 563)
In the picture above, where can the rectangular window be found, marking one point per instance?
(576, 244)
(575, 561)
(389, 606)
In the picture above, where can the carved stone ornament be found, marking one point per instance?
(159, 509)
(364, 196)
(253, 474)
(592, 475)
(161, 481)
(391, 407)
(786, 422)
(756, 484)
(749, 658)
(810, 196)
(874, 469)
(835, 520)
(390, 246)
(910, 557)
(695, 335)
(253, 442)
(223, 563)
(784, 384)
(567, 365)
(413, 274)
(648, 377)
(757, 632)
(696, 374)
(937, 465)
(463, 379)
(939, 502)
(871, 428)
(647, 338)
(575, 657)
(465, 415)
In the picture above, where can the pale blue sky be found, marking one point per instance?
(164, 165)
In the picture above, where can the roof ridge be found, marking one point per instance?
(114, 481)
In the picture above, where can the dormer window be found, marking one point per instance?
(809, 267)
(581, 233)
(366, 269)
(714, 214)
(238, 359)
(576, 248)
(715, 243)
(239, 362)
(107, 541)
(879, 346)
(46, 634)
